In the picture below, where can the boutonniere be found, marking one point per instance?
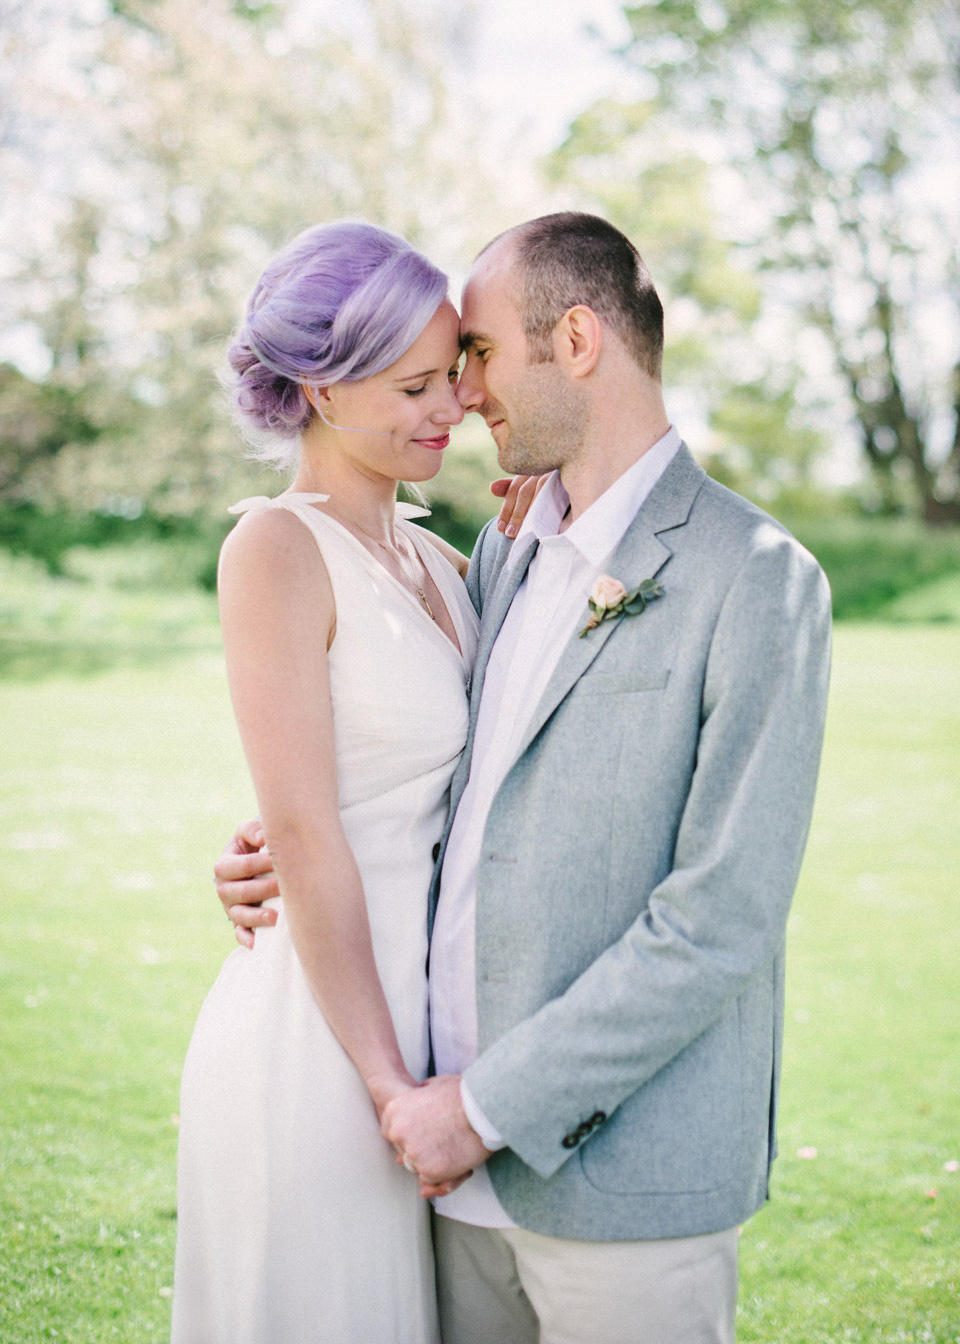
(609, 600)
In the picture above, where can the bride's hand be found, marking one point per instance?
(517, 493)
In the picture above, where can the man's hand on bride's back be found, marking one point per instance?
(244, 878)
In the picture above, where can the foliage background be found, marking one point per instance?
(789, 168)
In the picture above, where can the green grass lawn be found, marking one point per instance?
(118, 788)
(862, 1242)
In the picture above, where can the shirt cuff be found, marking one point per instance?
(491, 1137)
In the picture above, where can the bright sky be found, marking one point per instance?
(537, 61)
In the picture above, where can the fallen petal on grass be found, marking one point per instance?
(952, 1166)
(807, 1154)
(931, 1193)
(165, 1291)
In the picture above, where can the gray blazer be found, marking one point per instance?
(636, 873)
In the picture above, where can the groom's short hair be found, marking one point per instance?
(573, 258)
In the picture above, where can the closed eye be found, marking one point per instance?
(414, 391)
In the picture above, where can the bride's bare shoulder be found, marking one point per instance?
(272, 551)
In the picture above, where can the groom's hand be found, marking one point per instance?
(244, 878)
(428, 1127)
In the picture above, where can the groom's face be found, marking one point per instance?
(535, 416)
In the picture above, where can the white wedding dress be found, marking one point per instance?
(296, 1225)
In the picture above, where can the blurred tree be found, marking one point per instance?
(840, 119)
(641, 170)
(183, 141)
(78, 401)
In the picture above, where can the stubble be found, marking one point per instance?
(547, 426)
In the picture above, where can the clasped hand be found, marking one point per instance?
(428, 1126)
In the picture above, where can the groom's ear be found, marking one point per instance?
(578, 341)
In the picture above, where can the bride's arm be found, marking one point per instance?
(278, 617)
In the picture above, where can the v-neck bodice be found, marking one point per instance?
(397, 682)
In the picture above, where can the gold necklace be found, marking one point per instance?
(402, 558)
(411, 575)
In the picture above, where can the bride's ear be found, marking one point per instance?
(318, 397)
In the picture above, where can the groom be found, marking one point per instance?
(626, 830)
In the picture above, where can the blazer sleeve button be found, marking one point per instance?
(436, 851)
(598, 1118)
(571, 1140)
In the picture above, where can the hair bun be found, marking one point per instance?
(268, 401)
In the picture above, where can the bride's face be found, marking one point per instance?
(406, 411)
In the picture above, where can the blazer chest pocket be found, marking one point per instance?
(625, 681)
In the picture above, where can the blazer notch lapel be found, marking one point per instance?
(671, 499)
(640, 555)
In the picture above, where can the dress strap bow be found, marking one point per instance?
(257, 503)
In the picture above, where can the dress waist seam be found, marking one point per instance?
(410, 779)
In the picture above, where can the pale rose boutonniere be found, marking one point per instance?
(609, 600)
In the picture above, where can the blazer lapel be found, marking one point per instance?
(640, 555)
(495, 610)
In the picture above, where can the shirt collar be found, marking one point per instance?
(601, 527)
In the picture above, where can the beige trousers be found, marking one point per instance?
(511, 1286)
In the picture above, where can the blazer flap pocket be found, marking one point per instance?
(624, 680)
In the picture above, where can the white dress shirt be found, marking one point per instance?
(548, 609)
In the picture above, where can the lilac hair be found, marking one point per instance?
(341, 302)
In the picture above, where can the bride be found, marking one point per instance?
(349, 638)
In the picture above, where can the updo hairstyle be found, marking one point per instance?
(341, 302)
